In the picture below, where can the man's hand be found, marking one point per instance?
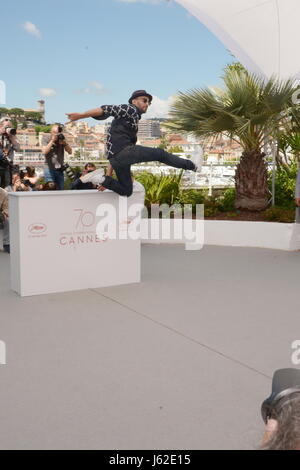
(297, 200)
(74, 117)
(98, 112)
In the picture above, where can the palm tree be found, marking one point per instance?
(248, 110)
(288, 138)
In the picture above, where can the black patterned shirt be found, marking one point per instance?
(124, 128)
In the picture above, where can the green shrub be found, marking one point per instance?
(232, 214)
(227, 200)
(277, 214)
(285, 187)
(210, 211)
(211, 206)
(193, 197)
(162, 189)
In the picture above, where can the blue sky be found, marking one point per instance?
(81, 54)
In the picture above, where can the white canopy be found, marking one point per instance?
(262, 34)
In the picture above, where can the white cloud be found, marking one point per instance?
(32, 29)
(160, 108)
(95, 88)
(47, 92)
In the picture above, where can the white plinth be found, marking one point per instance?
(55, 247)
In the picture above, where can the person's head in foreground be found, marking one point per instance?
(30, 172)
(5, 123)
(89, 167)
(141, 100)
(56, 134)
(281, 412)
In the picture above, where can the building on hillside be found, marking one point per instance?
(40, 109)
(27, 137)
(149, 128)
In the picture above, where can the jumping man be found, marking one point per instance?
(122, 150)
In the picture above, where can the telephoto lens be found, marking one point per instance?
(70, 173)
(11, 131)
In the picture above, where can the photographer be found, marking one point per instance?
(4, 219)
(78, 184)
(55, 155)
(30, 178)
(8, 145)
(281, 412)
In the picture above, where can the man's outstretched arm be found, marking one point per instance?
(98, 112)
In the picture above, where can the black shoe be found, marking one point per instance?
(6, 248)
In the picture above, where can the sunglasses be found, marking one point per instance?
(145, 100)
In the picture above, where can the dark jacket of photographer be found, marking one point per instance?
(7, 150)
(56, 157)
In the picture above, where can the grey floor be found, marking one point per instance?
(181, 361)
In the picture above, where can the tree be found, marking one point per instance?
(33, 116)
(45, 129)
(248, 110)
(4, 112)
(17, 112)
(17, 116)
(235, 66)
(288, 140)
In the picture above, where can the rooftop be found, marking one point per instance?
(181, 361)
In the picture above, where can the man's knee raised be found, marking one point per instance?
(129, 192)
(161, 155)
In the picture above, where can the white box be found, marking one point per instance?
(55, 247)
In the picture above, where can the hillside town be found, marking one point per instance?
(88, 141)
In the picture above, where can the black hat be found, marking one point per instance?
(285, 382)
(138, 93)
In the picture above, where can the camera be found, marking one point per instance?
(11, 131)
(60, 136)
(68, 170)
(22, 174)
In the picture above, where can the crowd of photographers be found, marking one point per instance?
(13, 178)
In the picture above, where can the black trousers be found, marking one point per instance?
(5, 177)
(122, 162)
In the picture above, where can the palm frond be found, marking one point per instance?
(245, 109)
